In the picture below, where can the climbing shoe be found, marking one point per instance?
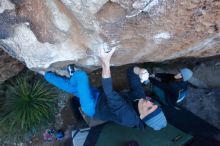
(71, 69)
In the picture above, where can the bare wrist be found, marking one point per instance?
(105, 64)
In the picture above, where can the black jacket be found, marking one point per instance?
(169, 85)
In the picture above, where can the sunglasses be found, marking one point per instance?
(147, 99)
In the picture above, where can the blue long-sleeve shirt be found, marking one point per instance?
(113, 106)
(109, 106)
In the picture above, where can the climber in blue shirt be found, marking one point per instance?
(132, 109)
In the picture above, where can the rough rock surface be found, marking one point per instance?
(8, 66)
(41, 33)
(205, 104)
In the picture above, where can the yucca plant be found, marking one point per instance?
(27, 104)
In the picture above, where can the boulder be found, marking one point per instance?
(9, 66)
(46, 33)
(205, 104)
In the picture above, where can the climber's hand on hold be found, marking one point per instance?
(105, 57)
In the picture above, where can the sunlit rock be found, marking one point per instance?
(44, 33)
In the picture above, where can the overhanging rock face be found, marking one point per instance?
(9, 67)
(43, 32)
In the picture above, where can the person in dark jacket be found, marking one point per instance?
(132, 109)
(173, 85)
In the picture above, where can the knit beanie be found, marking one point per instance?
(186, 74)
(156, 119)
